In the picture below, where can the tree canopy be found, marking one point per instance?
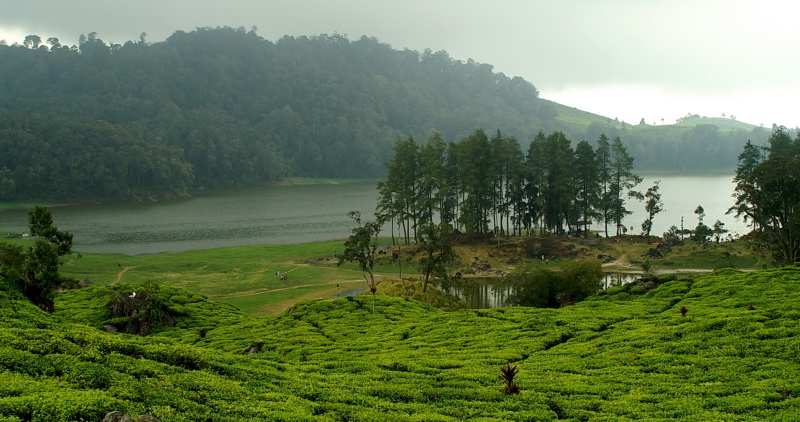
(35, 268)
(768, 195)
(486, 187)
(218, 107)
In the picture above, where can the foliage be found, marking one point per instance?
(541, 287)
(36, 271)
(652, 206)
(482, 183)
(414, 289)
(732, 357)
(219, 107)
(507, 374)
(362, 247)
(621, 182)
(436, 241)
(768, 194)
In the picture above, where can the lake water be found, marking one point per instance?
(212, 219)
(681, 195)
(485, 293)
(306, 213)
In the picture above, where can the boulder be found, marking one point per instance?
(654, 253)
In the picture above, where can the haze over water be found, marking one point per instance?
(307, 213)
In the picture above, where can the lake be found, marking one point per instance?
(212, 219)
(306, 213)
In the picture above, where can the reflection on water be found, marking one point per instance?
(618, 279)
(484, 293)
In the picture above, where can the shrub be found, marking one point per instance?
(507, 374)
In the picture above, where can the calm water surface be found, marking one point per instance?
(212, 219)
(306, 213)
(486, 293)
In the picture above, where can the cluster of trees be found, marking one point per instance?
(56, 157)
(222, 107)
(482, 185)
(35, 268)
(768, 194)
(692, 145)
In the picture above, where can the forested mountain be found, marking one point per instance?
(223, 107)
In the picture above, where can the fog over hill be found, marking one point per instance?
(220, 107)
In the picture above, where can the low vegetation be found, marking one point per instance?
(627, 353)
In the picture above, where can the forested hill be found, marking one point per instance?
(225, 107)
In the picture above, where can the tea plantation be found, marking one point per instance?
(723, 347)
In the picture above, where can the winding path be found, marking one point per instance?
(119, 275)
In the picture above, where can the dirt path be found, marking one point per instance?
(119, 275)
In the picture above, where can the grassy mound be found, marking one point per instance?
(629, 353)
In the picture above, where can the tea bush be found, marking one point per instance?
(614, 356)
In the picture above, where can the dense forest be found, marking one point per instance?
(220, 107)
(481, 185)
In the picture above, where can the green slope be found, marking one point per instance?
(721, 122)
(626, 354)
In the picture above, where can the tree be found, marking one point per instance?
(54, 43)
(7, 185)
(652, 206)
(719, 229)
(622, 180)
(771, 197)
(750, 157)
(475, 172)
(587, 182)
(581, 278)
(507, 161)
(36, 271)
(436, 241)
(540, 287)
(401, 192)
(702, 231)
(362, 247)
(559, 188)
(32, 41)
(432, 184)
(603, 156)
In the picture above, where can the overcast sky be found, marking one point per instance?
(626, 59)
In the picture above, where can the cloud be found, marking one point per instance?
(697, 52)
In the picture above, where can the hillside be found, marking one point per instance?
(626, 354)
(220, 107)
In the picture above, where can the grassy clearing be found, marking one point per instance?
(245, 276)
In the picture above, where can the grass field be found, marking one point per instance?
(246, 278)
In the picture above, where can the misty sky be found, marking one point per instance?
(627, 59)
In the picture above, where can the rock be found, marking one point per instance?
(117, 416)
(654, 253)
(256, 348)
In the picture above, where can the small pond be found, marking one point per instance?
(484, 293)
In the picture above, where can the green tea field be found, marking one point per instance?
(722, 347)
